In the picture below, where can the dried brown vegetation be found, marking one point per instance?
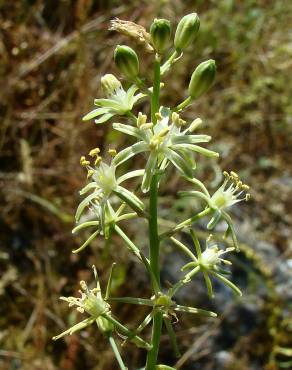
(52, 56)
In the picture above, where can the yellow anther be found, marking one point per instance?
(112, 152)
(97, 161)
(84, 162)
(158, 116)
(226, 174)
(174, 117)
(234, 174)
(164, 132)
(94, 152)
(238, 183)
(247, 197)
(141, 120)
(80, 309)
(90, 173)
(146, 126)
(83, 285)
(245, 187)
(182, 122)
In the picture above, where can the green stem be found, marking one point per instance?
(155, 340)
(153, 231)
(141, 343)
(185, 223)
(116, 352)
(131, 246)
(156, 90)
(165, 67)
(134, 249)
(184, 104)
(132, 116)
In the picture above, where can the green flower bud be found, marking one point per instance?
(202, 78)
(160, 34)
(109, 84)
(127, 61)
(186, 31)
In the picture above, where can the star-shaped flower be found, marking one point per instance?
(231, 192)
(168, 141)
(208, 262)
(117, 101)
(104, 183)
(98, 310)
(164, 304)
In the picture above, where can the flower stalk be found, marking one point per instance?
(109, 204)
(153, 229)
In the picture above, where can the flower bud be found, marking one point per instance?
(109, 84)
(160, 34)
(127, 61)
(202, 78)
(186, 31)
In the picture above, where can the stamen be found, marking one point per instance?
(142, 118)
(175, 118)
(112, 152)
(146, 126)
(83, 285)
(97, 161)
(164, 132)
(94, 152)
(158, 116)
(84, 162)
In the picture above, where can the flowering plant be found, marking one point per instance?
(166, 140)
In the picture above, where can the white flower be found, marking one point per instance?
(96, 306)
(232, 191)
(93, 304)
(91, 300)
(103, 183)
(166, 141)
(211, 257)
(117, 102)
(208, 262)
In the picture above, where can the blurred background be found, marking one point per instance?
(53, 54)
